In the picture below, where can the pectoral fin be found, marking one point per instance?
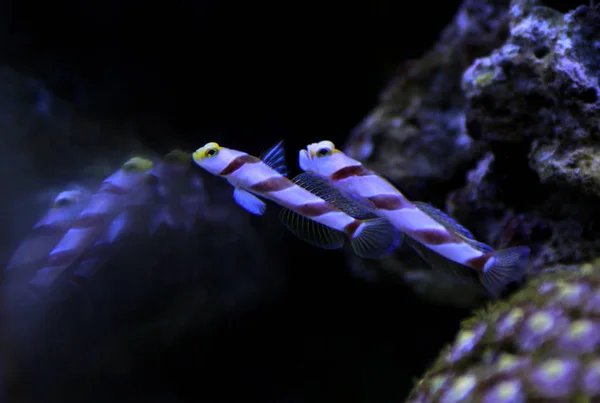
(249, 202)
(378, 238)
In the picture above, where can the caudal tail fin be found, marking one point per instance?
(506, 266)
(376, 238)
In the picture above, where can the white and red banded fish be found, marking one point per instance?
(33, 251)
(318, 221)
(428, 228)
(92, 223)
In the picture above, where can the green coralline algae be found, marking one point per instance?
(539, 344)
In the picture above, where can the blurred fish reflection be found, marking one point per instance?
(103, 268)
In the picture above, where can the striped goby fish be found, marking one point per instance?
(33, 251)
(314, 219)
(105, 205)
(424, 224)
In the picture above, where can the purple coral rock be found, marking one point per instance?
(590, 381)
(507, 391)
(466, 342)
(554, 378)
(572, 295)
(460, 389)
(593, 303)
(508, 323)
(539, 328)
(545, 288)
(509, 363)
(581, 336)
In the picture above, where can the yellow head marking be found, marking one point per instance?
(138, 164)
(208, 151)
(179, 157)
(322, 149)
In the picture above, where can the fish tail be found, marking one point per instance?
(504, 267)
(376, 238)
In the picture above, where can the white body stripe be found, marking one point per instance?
(459, 252)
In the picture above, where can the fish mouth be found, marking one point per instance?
(304, 160)
(197, 156)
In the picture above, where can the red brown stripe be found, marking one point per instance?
(274, 184)
(389, 202)
(90, 220)
(238, 163)
(346, 172)
(313, 209)
(432, 236)
(113, 189)
(478, 263)
(351, 228)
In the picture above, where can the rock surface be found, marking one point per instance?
(541, 343)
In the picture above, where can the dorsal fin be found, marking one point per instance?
(321, 187)
(397, 186)
(274, 157)
(444, 219)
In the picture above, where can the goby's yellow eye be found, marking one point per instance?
(207, 151)
(63, 202)
(324, 151)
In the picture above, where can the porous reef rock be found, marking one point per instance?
(502, 135)
(541, 344)
(531, 107)
(534, 102)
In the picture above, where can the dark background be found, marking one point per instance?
(247, 74)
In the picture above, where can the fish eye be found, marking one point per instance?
(211, 152)
(130, 167)
(63, 202)
(323, 152)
